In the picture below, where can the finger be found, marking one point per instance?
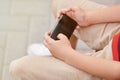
(45, 43)
(49, 33)
(46, 36)
(70, 14)
(63, 11)
(60, 13)
(48, 40)
(71, 9)
(61, 36)
(78, 27)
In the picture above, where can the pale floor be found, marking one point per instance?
(23, 22)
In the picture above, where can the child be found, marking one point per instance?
(104, 38)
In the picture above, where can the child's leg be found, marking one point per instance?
(84, 4)
(50, 68)
(95, 36)
(46, 68)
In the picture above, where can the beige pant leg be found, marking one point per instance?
(105, 53)
(50, 68)
(45, 68)
(84, 4)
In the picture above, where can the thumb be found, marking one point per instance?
(77, 27)
(61, 36)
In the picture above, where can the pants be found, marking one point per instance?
(98, 37)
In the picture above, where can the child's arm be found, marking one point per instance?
(93, 65)
(110, 14)
(85, 18)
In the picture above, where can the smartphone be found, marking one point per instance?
(65, 25)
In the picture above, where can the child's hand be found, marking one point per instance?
(58, 48)
(76, 13)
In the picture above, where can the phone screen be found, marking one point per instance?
(65, 25)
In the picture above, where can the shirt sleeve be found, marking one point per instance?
(116, 47)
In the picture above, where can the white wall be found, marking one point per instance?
(22, 22)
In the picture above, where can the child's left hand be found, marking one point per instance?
(58, 48)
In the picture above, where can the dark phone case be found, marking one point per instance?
(65, 25)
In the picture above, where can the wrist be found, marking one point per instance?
(86, 19)
(89, 18)
(63, 53)
(93, 17)
(70, 55)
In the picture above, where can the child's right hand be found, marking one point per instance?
(76, 13)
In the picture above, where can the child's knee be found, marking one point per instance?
(17, 67)
(54, 7)
(58, 4)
